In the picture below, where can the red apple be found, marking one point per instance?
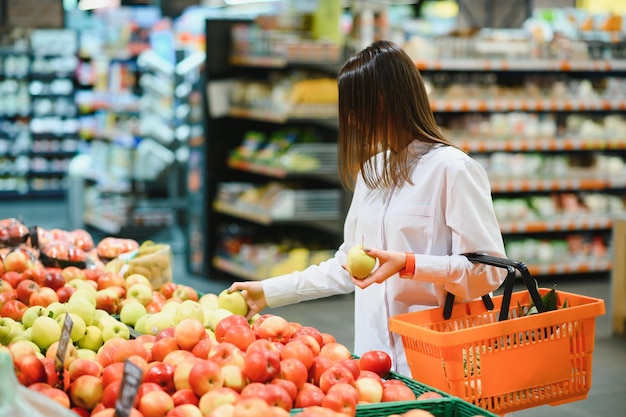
(177, 357)
(203, 347)
(44, 297)
(188, 332)
(262, 366)
(309, 395)
(240, 336)
(376, 361)
(111, 393)
(369, 390)
(328, 338)
(65, 292)
(13, 278)
(146, 387)
(234, 377)
(185, 410)
(185, 396)
(183, 370)
(352, 365)
(112, 372)
(29, 369)
(204, 376)
(310, 341)
(369, 374)
(162, 374)
(57, 395)
(5, 297)
(129, 348)
(185, 292)
(86, 391)
(275, 395)
(335, 351)
(53, 375)
(226, 354)
(5, 286)
(214, 398)
(17, 260)
(319, 366)
(288, 386)
(397, 392)
(53, 279)
(110, 279)
(274, 328)
(342, 398)
(84, 366)
(13, 309)
(162, 347)
(224, 324)
(298, 349)
(25, 289)
(155, 404)
(108, 300)
(294, 370)
(167, 332)
(168, 289)
(311, 331)
(429, 395)
(334, 375)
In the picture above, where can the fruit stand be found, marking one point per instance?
(101, 329)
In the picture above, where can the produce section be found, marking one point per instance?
(105, 332)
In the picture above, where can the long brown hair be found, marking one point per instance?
(383, 107)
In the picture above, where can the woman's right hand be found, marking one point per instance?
(254, 295)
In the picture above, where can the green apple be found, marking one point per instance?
(55, 309)
(104, 322)
(188, 309)
(359, 263)
(215, 316)
(17, 335)
(99, 314)
(45, 331)
(86, 353)
(170, 307)
(83, 308)
(24, 347)
(208, 301)
(78, 325)
(31, 313)
(140, 292)
(132, 311)
(85, 291)
(157, 322)
(117, 329)
(92, 339)
(234, 302)
(7, 327)
(140, 325)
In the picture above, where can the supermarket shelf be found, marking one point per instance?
(279, 62)
(570, 267)
(525, 104)
(510, 185)
(547, 144)
(262, 216)
(557, 65)
(557, 224)
(233, 268)
(299, 113)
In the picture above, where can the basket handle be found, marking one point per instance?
(511, 266)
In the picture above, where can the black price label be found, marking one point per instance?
(64, 343)
(128, 391)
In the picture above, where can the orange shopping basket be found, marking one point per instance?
(496, 358)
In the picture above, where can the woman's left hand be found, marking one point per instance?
(389, 264)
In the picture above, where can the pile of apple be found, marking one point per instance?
(198, 354)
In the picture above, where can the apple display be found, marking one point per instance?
(359, 263)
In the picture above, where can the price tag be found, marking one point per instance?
(128, 391)
(64, 342)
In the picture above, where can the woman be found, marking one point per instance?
(414, 192)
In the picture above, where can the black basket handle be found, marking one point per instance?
(511, 266)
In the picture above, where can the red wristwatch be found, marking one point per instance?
(409, 267)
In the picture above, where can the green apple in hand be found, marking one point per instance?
(234, 302)
(359, 263)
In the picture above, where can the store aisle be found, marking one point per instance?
(335, 315)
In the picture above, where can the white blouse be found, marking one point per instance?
(447, 211)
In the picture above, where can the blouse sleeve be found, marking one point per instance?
(470, 217)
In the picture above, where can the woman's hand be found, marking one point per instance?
(389, 263)
(254, 295)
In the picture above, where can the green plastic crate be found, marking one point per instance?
(440, 407)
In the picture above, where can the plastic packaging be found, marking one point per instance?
(62, 254)
(152, 260)
(18, 401)
(111, 247)
(12, 233)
